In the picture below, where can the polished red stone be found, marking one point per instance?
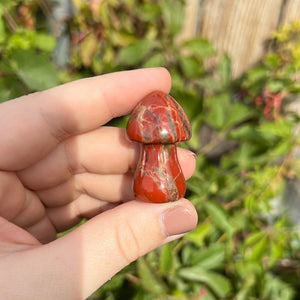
(158, 122)
(158, 119)
(159, 177)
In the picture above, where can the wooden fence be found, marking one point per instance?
(238, 27)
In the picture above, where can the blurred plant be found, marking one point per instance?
(25, 50)
(243, 132)
(244, 244)
(116, 35)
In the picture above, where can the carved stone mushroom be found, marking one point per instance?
(159, 123)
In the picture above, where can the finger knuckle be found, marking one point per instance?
(127, 241)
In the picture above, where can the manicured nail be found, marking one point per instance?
(188, 153)
(178, 220)
(194, 154)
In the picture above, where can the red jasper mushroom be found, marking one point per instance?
(159, 123)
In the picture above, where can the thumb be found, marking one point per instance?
(86, 258)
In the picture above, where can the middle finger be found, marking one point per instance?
(105, 150)
(111, 188)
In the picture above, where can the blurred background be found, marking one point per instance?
(235, 70)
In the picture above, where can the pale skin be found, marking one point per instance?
(59, 164)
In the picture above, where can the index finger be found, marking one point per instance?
(32, 125)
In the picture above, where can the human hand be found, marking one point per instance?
(57, 166)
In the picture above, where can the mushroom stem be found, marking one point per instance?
(158, 176)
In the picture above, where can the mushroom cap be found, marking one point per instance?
(158, 119)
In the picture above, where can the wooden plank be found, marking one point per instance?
(240, 28)
(190, 25)
(291, 11)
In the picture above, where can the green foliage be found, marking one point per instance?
(243, 134)
(33, 70)
(135, 53)
(245, 146)
(25, 64)
(280, 68)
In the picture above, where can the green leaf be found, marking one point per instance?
(149, 279)
(104, 14)
(238, 112)
(220, 285)
(256, 75)
(199, 47)
(280, 128)
(2, 27)
(136, 52)
(190, 102)
(218, 106)
(166, 259)
(7, 4)
(4, 91)
(248, 133)
(21, 39)
(157, 60)
(224, 70)
(35, 70)
(44, 42)
(120, 38)
(173, 15)
(256, 252)
(253, 238)
(219, 216)
(276, 251)
(275, 288)
(194, 142)
(148, 11)
(275, 86)
(190, 67)
(210, 83)
(272, 61)
(87, 49)
(209, 258)
(112, 285)
(282, 148)
(198, 235)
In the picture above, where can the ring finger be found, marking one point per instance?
(110, 188)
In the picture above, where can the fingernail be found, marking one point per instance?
(178, 220)
(188, 153)
(194, 154)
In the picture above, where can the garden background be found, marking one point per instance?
(243, 105)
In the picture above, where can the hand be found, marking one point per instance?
(57, 166)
